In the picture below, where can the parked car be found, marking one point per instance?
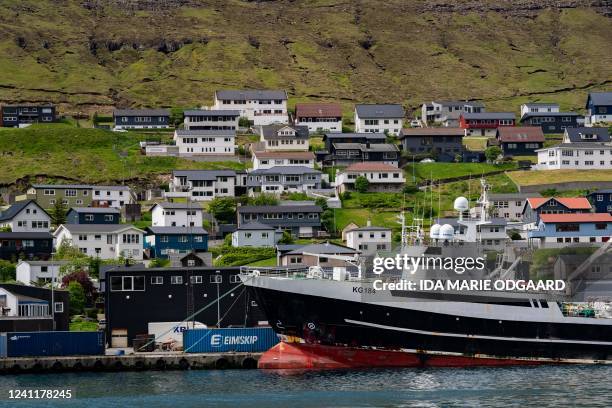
(428, 161)
(415, 123)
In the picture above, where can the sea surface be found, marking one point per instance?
(549, 386)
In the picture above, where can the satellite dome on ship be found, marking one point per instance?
(434, 232)
(461, 204)
(447, 232)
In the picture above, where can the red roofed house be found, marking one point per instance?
(561, 229)
(319, 117)
(520, 141)
(536, 206)
(381, 177)
(485, 123)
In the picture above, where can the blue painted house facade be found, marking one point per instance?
(15, 115)
(161, 241)
(300, 220)
(141, 118)
(599, 108)
(601, 200)
(93, 215)
(556, 230)
(25, 245)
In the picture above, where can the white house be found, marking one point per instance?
(208, 119)
(16, 305)
(281, 179)
(374, 118)
(25, 216)
(205, 142)
(369, 240)
(262, 107)
(538, 107)
(381, 177)
(284, 138)
(266, 160)
(255, 234)
(447, 113)
(105, 241)
(176, 215)
(319, 117)
(112, 196)
(204, 185)
(44, 272)
(577, 156)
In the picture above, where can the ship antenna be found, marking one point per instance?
(440, 199)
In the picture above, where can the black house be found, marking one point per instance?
(32, 308)
(141, 118)
(15, 115)
(136, 296)
(25, 245)
(552, 122)
(363, 138)
(93, 215)
(444, 143)
(520, 140)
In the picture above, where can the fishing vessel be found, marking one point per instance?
(335, 318)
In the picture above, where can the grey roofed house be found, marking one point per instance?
(575, 134)
(326, 248)
(579, 145)
(600, 98)
(207, 132)
(286, 170)
(375, 147)
(16, 208)
(255, 226)
(141, 112)
(98, 210)
(532, 114)
(512, 196)
(431, 132)
(368, 136)
(25, 235)
(203, 174)
(80, 186)
(271, 209)
(97, 227)
(460, 103)
(177, 230)
(177, 206)
(271, 131)
(379, 111)
(211, 112)
(370, 228)
(489, 115)
(255, 94)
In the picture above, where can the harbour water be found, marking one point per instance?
(588, 386)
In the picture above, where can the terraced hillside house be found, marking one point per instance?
(536, 206)
(261, 107)
(72, 195)
(599, 108)
(212, 143)
(319, 117)
(559, 230)
(443, 143)
(25, 245)
(582, 149)
(369, 240)
(539, 107)
(283, 179)
(20, 115)
(141, 118)
(112, 196)
(314, 255)
(520, 140)
(283, 138)
(161, 242)
(508, 205)
(104, 241)
(485, 123)
(593, 135)
(549, 118)
(345, 154)
(601, 200)
(446, 113)
(25, 216)
(207, 119)
(267, 160)
(381, 177)
(204, 185)
(40, 272)
(256, 234)
(379, 118)
(166, 214)
(93, 215)
(301, 220)
(363, 138)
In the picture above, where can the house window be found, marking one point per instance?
(196, 279)
(89, 217)
(163, 238)
(127, 283)
(176, 280)
(49, 192)
(216, 279)
(109, 217)
(157, 280)
(58, 307)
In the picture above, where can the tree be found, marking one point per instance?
(362, 184)
(58, 213)
(85, 283)
(223, 209)
(286, 239)
(7, 271)
(77, 297)
(492, 153)
(244, 122)
(264, 199)
(321, 202)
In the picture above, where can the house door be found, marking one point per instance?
(482, 132)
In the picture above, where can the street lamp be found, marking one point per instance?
(52, 290)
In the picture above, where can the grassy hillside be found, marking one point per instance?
(96, 54)
(84, 155)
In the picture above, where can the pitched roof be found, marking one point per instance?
(141, 112)
(325, 248)
(177, 206)
(601, 98)
(285, 155)
(271, 131)
(16, 208)
(489, 115)
(318, 110)
(96, 210)
(255, 94)
(279, 208)
(573, 203)
(286, 170)
(211, 112)
(512, 196)
(374, 147)
(203, 174)
(379, 111)
(25, 235)
(431, 131)
(579, 217)
(460, 103)
(520, 134)
(177, 230)
(254, 226)
(545, 114)
(377, 136)
(370, 228)
(575, 134)
(371, 166)
(604, 191)
(197, 132)
(541, 104)
(93, 228)
(80, 187)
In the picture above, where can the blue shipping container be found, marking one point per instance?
(60, 343)
(2, 345)
(255, 339)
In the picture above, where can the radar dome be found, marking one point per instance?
(461, 204)
(434, 232)
(447, 232)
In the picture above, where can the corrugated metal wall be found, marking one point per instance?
(256, 339)
(35, 344)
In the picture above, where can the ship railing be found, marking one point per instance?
(303, 272)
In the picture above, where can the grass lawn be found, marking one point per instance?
(533, 177)
(83, 326)
(533, 159)
(264, 262)
(475, 144)
(84, 155)
(441, 171)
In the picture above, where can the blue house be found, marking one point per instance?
(162, 241)
(15, 115)
(141, 118)
(93, 215)
(555, 230)
(601, 200)
(599, 108)
(25, 245)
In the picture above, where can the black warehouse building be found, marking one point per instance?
(136, 296)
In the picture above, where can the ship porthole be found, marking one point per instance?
(500, 322)
(456, 318)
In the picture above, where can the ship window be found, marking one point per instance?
(543, 304)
